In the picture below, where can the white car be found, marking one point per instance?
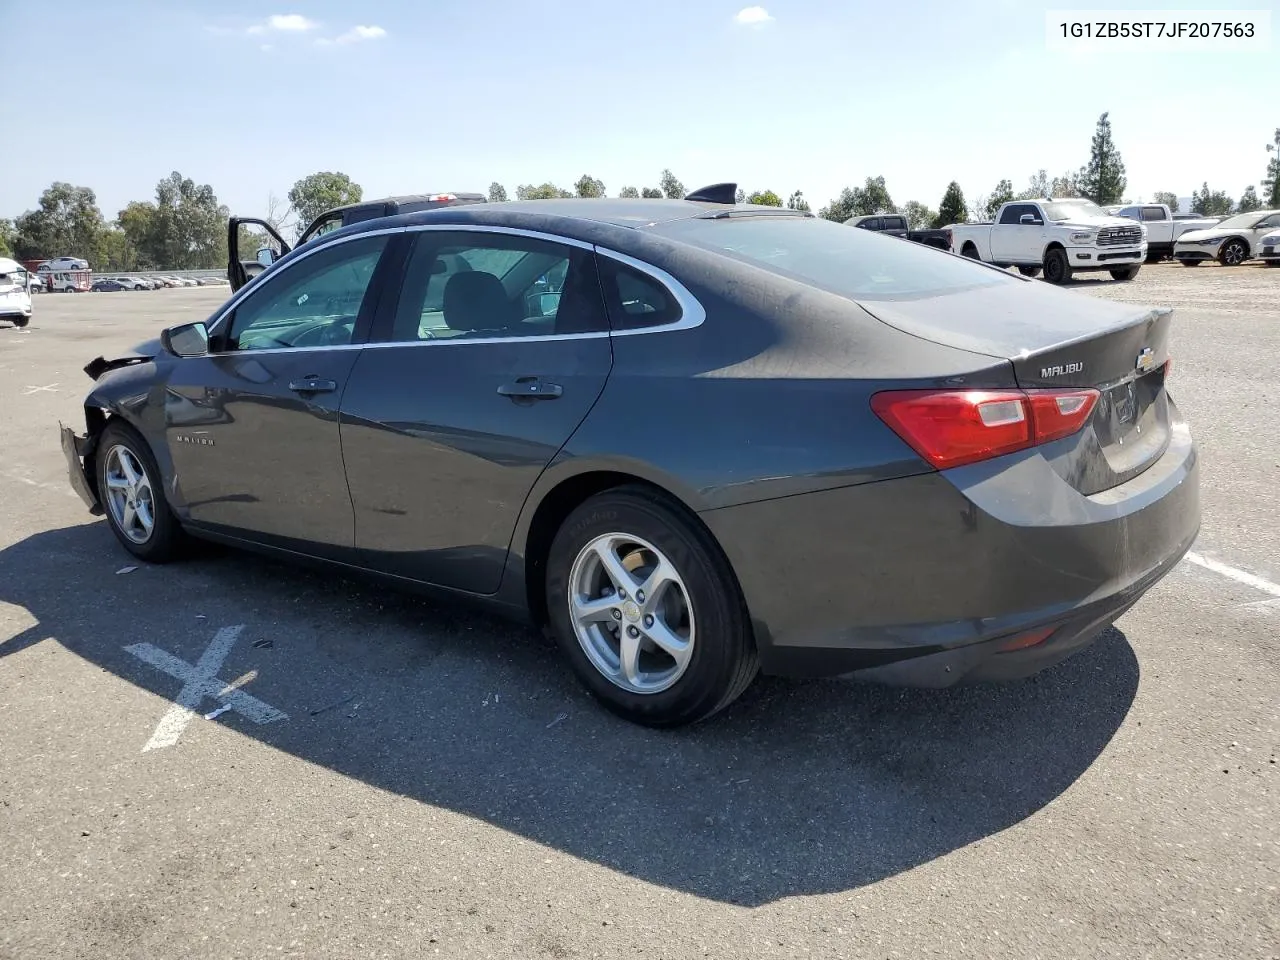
(1269, 249)
(131, 282)
(1163, 229)
(58, 264)
(1231, 241)
(15, 300)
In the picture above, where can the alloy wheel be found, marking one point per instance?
(129, 495)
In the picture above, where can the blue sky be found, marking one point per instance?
(444, 94)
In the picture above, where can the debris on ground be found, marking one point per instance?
(125, 570)
(319, 710)
(214, 714)
(560, 718)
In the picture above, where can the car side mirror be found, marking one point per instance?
(186, 340)
(266, 256)
(1029, 220)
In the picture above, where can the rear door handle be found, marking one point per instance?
(313, 385)
(531, 388)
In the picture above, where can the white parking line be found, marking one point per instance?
(199, 682)
(1231, 573)
(50, 388)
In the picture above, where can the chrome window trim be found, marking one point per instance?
(692, 313)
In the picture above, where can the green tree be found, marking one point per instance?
(841, 208)
(68, 223)
(1211, 203)
(544, 191)
(7, 237)
(951, 209)
(117, 252)
(651, 193)
(918, 215)
(189, 226)
(1170, 200)
(589, 186)
(1249, 201)
(740, 196)
(628, 193)
(137, 222)
(1271, 182)
(873, 197)
(1102, 179)
(797, 202)
(765, 198)
(1038, 186)
(672, 188)
(314, 194)
(1002, 194)
(497, 192)
(1068, 185)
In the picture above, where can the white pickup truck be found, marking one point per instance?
(1061, 237)
(1162, 228)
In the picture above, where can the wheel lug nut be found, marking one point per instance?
(607, 592)
(617, 614)
(622, 594)
(639, 596)
(648, 620)
(632, 632)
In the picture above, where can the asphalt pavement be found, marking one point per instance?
(399, 778)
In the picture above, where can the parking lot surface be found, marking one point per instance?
(401, 778)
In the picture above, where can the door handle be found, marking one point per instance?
(313, 385)
(530, 388)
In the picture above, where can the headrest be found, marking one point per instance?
(477, 301)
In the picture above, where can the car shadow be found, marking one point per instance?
(799, 788)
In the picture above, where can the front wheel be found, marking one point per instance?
(1057, 269)
(1125, 273)
(1190, 263)
(21, 322)
(1029, 271)
(1233, 253)
(647, 609)
(131, 490)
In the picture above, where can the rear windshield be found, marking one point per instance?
(858, 264)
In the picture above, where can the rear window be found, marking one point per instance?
(851, 263)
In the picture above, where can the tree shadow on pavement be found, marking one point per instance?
(797, 789)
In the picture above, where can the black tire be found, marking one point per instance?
(723, 662)
(1190, 263)
(1272, 263)
(970, 251)
(21, 322)
(167, 537)
(1029, 271)
(1057, 269)
(1125, 273)
(1233, 253)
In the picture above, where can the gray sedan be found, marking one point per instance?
(693, 440)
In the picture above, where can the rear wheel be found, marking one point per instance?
(1233, 253)
(1125, 273)
(131, 490)
(1029, 271)
(647, 609)
(1057, 269)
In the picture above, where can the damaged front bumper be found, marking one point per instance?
(75, 448)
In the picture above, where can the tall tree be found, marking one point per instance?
(589, 186)
(740, 196)
(918, 215)
(543, 191)
(952, 209)
(628, 193)
(651, 193)
(1211, 203)
(497, 192)
(841, 208)
(1068, 185)
(672, 188)
(68, 223)
(873, 197)
(189, 225)
(765, 198)
(137, 222)
(1271, 182)
(797, 202)
(1001, 195)
(1249, 201)
(314, 194)
(1102, 179)
(7, 237)
(1170, 200)
(1038, 185)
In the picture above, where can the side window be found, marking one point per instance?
(1269, 222)
(485, 286)
(313, 302)
(1013, 214)
(635, 301)
(871, 223)
(895, 223)
(1150, 214)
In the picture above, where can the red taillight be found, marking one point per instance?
(1024, 640)
(950, 428)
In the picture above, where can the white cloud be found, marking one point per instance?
(359, 33)
(285, 23)
(752, 16)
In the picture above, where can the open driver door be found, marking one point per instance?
(240, 271)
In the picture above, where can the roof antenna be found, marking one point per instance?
(716, 193)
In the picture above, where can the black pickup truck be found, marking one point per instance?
(240, 271)
(895, 224)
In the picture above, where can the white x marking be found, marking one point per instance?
(199, 682)
(48, 387)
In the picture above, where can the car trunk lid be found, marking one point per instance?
(1059, 339)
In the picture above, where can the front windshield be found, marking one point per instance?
(1241, 221)
(1066, 209)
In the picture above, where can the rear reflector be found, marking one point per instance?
(1024, 640)
(950, 428)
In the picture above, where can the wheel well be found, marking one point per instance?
(561, 501)
(1247, 249)
(969, 245)
(1055, 245)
